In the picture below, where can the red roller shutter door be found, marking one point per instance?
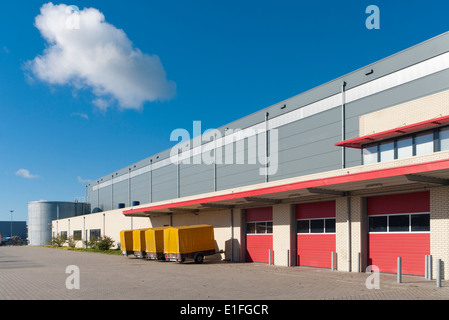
(314, 249)
(258, 244)
(385, 247)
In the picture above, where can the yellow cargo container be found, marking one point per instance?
(154, 238)
(196, 241)
(126, 242)
(139, 243)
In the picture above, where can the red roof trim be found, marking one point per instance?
(350, 177)
(358, 142)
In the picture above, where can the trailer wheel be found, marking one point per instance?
(199, 257)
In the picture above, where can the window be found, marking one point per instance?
(378, 224)
(303, 226)
(424, 143)
(399, 223)
(64, 235)
(412, 222)
(420, 222)
(95, 234)
(444, 139)
(317, 226)
(260, 227)
(405, 148)
(386, 151)
(77, 235)
(329, 225)
(326, 225)
(370, 155)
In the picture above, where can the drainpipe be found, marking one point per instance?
(232, 235)
(266, 146)
(348, 220)
(343, 124)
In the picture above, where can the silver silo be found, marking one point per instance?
(41, 213)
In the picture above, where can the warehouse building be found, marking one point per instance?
(354, 172)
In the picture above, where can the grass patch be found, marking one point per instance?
(110, 251)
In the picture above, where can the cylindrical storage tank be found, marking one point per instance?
(42, 213)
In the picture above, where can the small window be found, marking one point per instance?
(261, 227)
(386, 151)
(269, 227)
(444, 139)
(370, 155)
(77, 235)
(250, 227)
(378, 224)
(329, 225)
(302, 226)
(95, 234)
(317, 226)
(64, 235)
(399, 223)
(420, 222)
(405, 148)
(424, 143)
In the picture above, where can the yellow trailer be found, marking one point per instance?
(196, 241)
(126, 242)
(154, 238)
(139, 243)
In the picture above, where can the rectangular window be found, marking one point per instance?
(64, 235)
(250, 227)
(329, 225)
(378, 224)
(399, 223)
(302, 226)
(444, 139)
(386, 151)
(420, 222)
(261, 227)
(369, 155)
(317, 226)
(95, 234)
(77, 235)
(424, 143)
(269, 227)
(405, 148)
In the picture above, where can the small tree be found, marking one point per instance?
(58, 241)
(105, 243)
(71, 242)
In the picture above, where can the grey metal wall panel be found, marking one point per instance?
(121, 194)
(140, 187)
(196, 179)
(165, 183)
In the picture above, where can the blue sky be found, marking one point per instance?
(220, 61)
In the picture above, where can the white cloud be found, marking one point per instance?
(26, 174)
(92, 53)
(81, 180)
(81, 115)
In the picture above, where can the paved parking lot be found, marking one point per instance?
(40, 273)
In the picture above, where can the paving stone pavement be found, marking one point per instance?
(39, 273)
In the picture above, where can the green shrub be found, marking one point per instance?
(58, 241)
(100, 243)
